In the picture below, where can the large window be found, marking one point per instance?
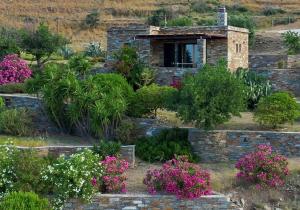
(184, 55)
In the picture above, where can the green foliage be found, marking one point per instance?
(72, 177)
(150, 98)
(159, 16)
(80, 64)
(21, 170)
(125, 132)
(244, 21)
(24, 201)
(131, 67)
(207, 21)
(66, 52)
(13, 88)
(93, 106)
(268, 11)
(292, 42)
(277, 109)
(92, 20)
(211, 97)
(2, 104)
(107, 148)
(164, 146)
(94, 50)
(41, 43)
(257, 86)
(9, 43)
(180, 21)
(237, 8)
(17, 122)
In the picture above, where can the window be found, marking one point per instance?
(238, 48)
(184, 55)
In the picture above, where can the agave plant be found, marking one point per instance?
(257, 86)
(94, 50)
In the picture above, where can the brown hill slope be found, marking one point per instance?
(66, 16)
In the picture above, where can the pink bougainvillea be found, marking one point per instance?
(178, 176)
(114, 177)
(13, 70)
(263, 167)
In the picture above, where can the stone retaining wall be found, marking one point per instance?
(293, 61)
(127, 152)
(283, 79)
(218, 146)
(150, 202)
(40, 119)
(266, 61)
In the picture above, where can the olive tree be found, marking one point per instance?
(41, 43)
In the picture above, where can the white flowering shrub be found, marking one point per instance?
(8, 176)
(74, 177)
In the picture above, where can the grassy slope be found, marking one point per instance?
(71, 13)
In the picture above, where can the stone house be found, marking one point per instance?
(173, 51)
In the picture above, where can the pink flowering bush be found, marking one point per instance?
(114, 177)
(263, 167)
(13, 70)
(180, 177)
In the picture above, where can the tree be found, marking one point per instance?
(277, 109)
(41, 43)
(211, 96)
(80, 64)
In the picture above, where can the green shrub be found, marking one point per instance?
(125, 132)
(92, 19)
(150, 98)
(21, 170)
(13, 88)
(292, 41)
(237, 8)
(107, 148)
(181, 21)
(80, 64)
(277, 109)
(268, 11)
(2, 104)
(202, 7)
(24, 201)
(158, 17)
(9, 43)
(131, 67)
(17, 122)
(207, 21)
(94, 50)
(211, 97)
(165, 146)
(72, 177)
(256, 86)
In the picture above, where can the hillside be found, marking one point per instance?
(66, 16)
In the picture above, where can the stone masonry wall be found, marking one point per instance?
(218, 146)
(283, 79)
(237, 57)
(40, 119)
(127, 152)
(151, 202)
(266, 61)
(293, 61)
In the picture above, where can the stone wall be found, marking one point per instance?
(283, 79)
(266, 61)
(238, 52)
(40, 119)
(293, 61)
(127, 152)
(150, 202)
(218, 146)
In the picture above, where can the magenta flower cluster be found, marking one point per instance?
(179, 177)
(114, 177)
(263, 167)
(13, 70)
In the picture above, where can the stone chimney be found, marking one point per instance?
(222, 16)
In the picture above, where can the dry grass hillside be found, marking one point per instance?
(66, 16)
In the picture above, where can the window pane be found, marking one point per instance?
(169, 55)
